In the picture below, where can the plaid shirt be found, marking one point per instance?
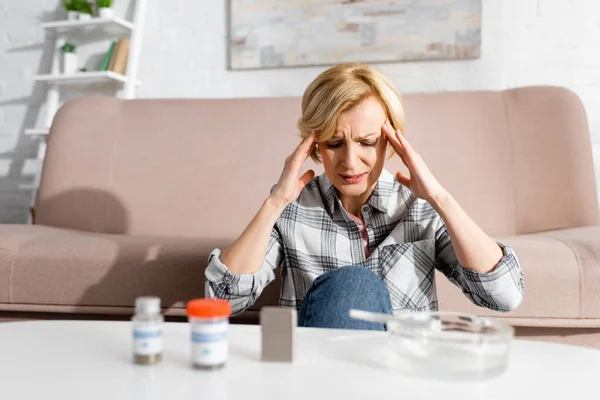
(407, 238)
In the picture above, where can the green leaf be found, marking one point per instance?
(70, 5)
(83, 6)
(68, 48)
(104, 3)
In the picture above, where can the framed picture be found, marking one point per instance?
(288, 33)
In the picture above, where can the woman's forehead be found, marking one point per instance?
(359, 128)
(356, 135)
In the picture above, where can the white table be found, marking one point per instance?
(92, 360)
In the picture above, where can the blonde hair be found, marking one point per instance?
(339, 89)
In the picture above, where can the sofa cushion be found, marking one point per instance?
(60, 270)
(585, 244)
(59, 267)
(53, 269)
(561, 272)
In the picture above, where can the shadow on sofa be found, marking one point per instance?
(70, 270)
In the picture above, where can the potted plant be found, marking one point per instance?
(69, 58)
(84, 8)
(104, 8)
(71, 8)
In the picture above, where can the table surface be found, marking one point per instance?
(92, 360)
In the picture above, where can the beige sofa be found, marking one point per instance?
(135, 194)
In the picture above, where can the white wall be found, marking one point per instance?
(524, 42)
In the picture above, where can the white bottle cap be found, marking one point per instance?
(147, 305)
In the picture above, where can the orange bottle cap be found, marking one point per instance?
(208, 308)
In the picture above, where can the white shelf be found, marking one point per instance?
(113, 26)
(37, 132)
(83, 32)
(82, 77)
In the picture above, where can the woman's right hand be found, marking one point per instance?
(289, 186)
(247, 254)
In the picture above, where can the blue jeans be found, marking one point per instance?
(332, 295)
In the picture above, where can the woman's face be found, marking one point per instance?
(353, 158)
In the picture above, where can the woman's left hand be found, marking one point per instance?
(421, 181)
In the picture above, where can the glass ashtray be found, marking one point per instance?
(446, 344)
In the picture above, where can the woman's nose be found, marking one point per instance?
(350, 157)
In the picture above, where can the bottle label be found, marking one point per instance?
(209, 343)
(147, 340)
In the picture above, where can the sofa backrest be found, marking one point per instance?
(518, 161)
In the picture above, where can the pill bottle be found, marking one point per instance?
(147, 331)
(209, 326)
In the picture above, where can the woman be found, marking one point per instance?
(355, 237)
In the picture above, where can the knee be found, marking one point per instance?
(354, 277)
(335, 293)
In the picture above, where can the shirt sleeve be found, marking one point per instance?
(242, 290)
(500, 289)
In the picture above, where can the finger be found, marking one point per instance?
(403, 179)
(402, 139)
(307, 142)
(392, 137)
(310, 150)
(389, 124)
(304, 149)
(307, 177)
(387, 129)
(304, 156)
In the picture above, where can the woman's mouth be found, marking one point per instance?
(352, 179)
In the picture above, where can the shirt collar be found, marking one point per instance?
(379, 199)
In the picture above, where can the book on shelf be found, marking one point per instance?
(118, 62)
(108, 56)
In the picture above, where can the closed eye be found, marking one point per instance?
(336, 145)
(370, 143)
